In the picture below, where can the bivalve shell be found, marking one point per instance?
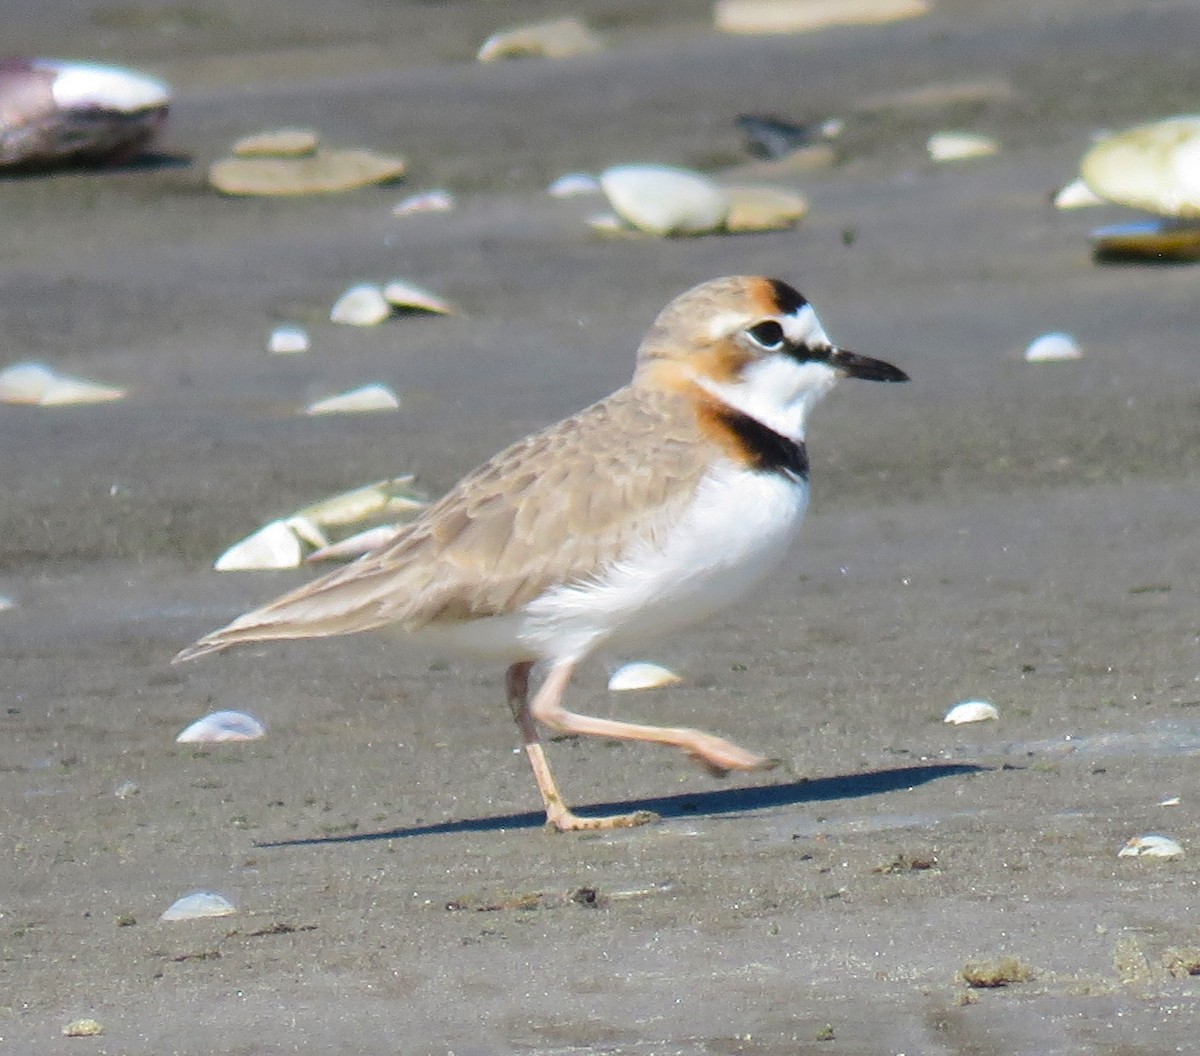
(796, 16)
(640, 674)
(763, 209)
(1076, 195)
(1151, 845)
(1051, 347)
(958, 146)
(357, 545)
(361, 305)
(560, 38)
(1157, 240)
(384, 497)
(408, 296)
(288, 340)
(664, 200)
(222, 726)
(278, 143)
(1155, 167)
(39, 385)
(325, 172)
(971, 711)
(435, 201)
(198, 906)
(362, 400)
(574, 185)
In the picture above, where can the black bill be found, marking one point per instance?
(855, 366)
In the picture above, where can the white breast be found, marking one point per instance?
(737, 529)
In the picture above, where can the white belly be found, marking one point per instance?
(738, 528)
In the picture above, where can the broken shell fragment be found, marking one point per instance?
(198, 906)
(574, 185)
(325, 172)
(971, 711)
(408, 296)
(957, 146)
(288, 340)
(560, 38)
(1155, 167)
(795, 16)
(1158, 240)
(278, 143)
(1151, 845)
(1076, 195)
(771, 138)
(361, 305)
(1051, 347)
(640, 674)
(273, 546)
(357, 545)
(436, 201)
(357, 401)
(664, 200)
(39, 385)
(763, 209)
(63, 113)
(381, 499)
(222, 726)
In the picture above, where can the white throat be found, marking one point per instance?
(777, 391)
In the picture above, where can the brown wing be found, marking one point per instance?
(550, 509)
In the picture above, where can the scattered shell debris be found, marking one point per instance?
(664, 200)
(640, 674)
(971, 711)
(1155, 167)
(277, 143)
(198, 906)
(1152, 845)
(288, 340)
(56, 113)
(958, 146)
(574, 185)
(797, 16)
(435, 201)
(763, 209)
(38, 385)
(560, 38)
(222, 726)
(409, 297)
(273, 546)
(323, 172)
(83, 1028)
(1053, 347)
(1076, 195)
(361, 305)
(1158, 240)
(364, 400)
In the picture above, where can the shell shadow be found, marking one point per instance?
(690, 804)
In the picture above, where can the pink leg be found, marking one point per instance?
(718, 756)
(558, 815)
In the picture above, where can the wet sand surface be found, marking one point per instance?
(1024, 533)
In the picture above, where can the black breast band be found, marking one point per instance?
(769, 451)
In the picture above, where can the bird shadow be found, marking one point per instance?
(682, 805)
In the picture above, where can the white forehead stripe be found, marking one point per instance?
(802, 327)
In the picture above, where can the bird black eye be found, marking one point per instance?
(768, 335)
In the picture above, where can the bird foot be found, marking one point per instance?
(563, 820)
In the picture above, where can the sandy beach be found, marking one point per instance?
(1023, 533)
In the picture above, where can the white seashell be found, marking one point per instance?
(665, 200)
(1155, 166)
(6, 603)
(574, 184)
(25, 382)
(795, 16)
(1051, 347)
(222, 726)
(438, 201)
(971, 711)
(86, 85)
(378, 499)
(362, 305)
(357, 401)
(306, 530)
(288, 340)
(1150, 846)
(325, 172)
(199, 905)
(126, 789)
(1076, 195)
(956, 146)
(37, 384)
(611, 226)
(639, 674)
(357, 545)
(561, 38)
(407, 296)
(1173, 801)
(764, 208)
(273, 546)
